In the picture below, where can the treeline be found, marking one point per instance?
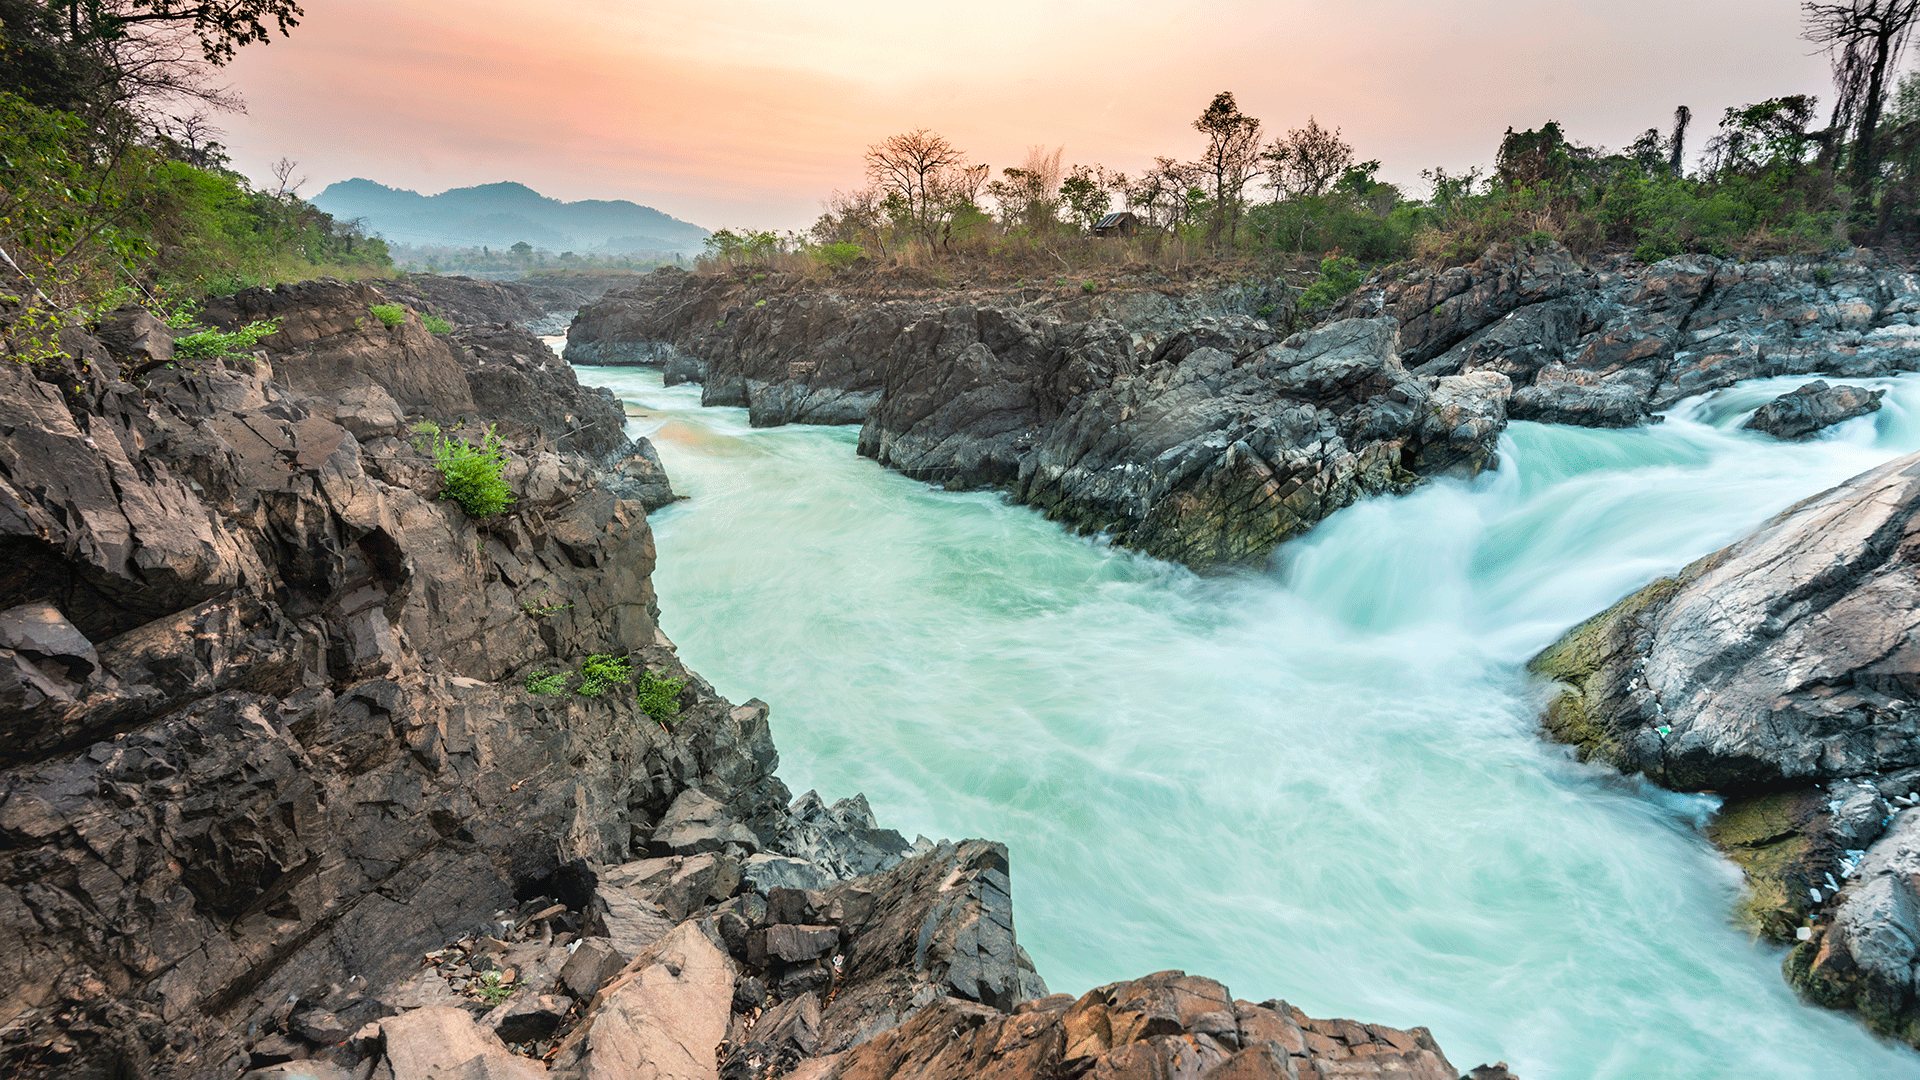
(519, 258)
(1769, 180)
(112, 183)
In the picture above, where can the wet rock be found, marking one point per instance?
(1812, 408)
(1863, 957)
(1217, 460)
(1776, 660)
(1776, 671)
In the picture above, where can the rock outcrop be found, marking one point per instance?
(295, 780)
(1610, 345)
(1201, 439)
(1780, 672)
(1813, 408)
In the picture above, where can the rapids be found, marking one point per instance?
(1323, 782)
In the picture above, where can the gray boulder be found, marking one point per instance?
(1783, 659)
(1812, 408)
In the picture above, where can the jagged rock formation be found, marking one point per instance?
(1201, 439)
(1780, 672)
(1813, 408)
(1611, 345)
(269, 741)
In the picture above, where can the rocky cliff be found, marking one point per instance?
(310, 773)
(1609, 345)
(1782, 672)
(1162, 416)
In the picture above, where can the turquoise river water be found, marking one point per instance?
(1323, 782)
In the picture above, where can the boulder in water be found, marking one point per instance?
(1812, 408)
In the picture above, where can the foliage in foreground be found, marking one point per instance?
(472, 473)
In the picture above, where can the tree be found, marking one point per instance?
(1161, 194)
(1233, 150)
(1308, 160)
(97, 56)
(1772, 134)
(1030, 194)
(1087, 191)
(1682, 116)
(1864, 38)
(925, 179)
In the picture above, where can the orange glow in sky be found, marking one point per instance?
(747, 113)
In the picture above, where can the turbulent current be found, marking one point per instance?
(1324, 782)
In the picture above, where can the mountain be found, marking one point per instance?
(503, 214)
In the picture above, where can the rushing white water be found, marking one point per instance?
(1323, 783)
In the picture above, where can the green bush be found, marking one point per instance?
(543, 682)
(472, 473)
(391, 314)
(219, 344)
(435, 324)
(660, 698)
(1339, 275)
(603, 672)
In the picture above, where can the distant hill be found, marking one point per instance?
(501, 215)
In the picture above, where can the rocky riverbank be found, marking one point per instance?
(1157, 412)
(1171, 416)
(288, 788)
(1780, 672)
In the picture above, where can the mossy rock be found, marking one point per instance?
(1767, 835)
(1583, 653)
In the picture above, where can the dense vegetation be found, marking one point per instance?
(111, 186)
(1767, 182)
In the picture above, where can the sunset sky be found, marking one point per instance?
(747, 113)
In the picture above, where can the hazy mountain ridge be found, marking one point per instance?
(505, 213)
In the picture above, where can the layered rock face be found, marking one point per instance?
(277, 794)
(1608, 346)
(1782, 672)
(1202, 439)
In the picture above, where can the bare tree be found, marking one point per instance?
(1233, 151)
(284, 186)
(1864, 38)
(1308, 160)
(924, 178)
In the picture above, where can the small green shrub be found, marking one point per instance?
(391, 314)
(544, 682)
(1088, 286)
(219, 344)
(660, 698)
(426, 427)
(472, 473)
(602, 673)
(491, 989)
(841, 255)
(1338, 276)
(435, 324)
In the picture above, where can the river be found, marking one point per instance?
(1323, 782)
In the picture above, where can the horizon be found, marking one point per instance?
(769, 109)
